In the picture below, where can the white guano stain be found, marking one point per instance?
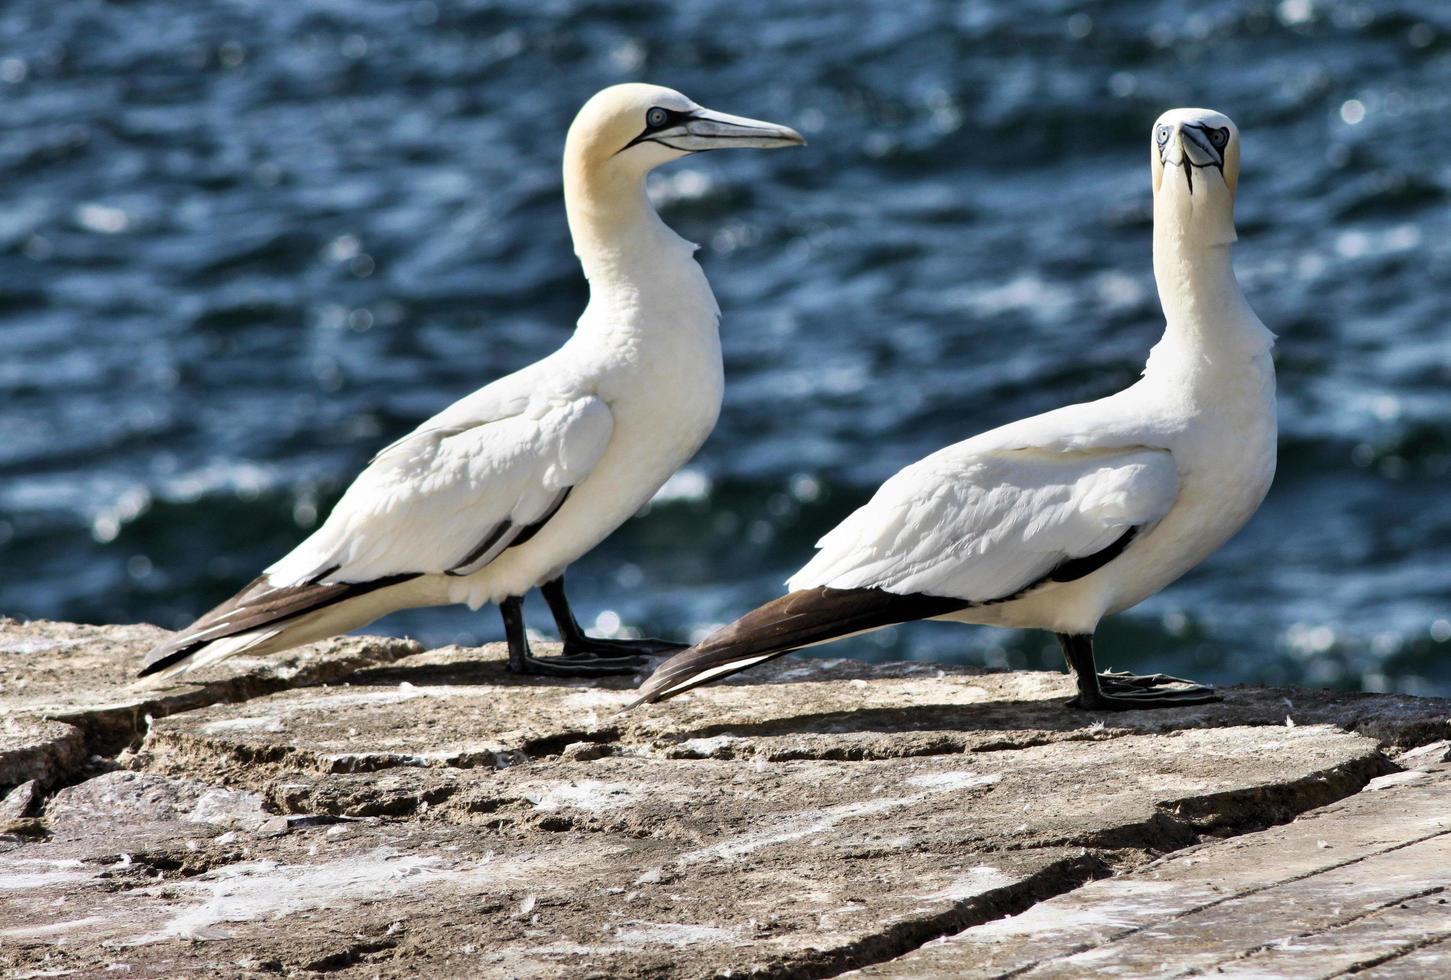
(593, 795)
(269, 723)
(808, 823)
(15, 873)
(267, 890)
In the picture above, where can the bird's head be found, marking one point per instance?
(628, 130)
(1195, 161)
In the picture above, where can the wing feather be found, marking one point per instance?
(428, 501)
(983, 525)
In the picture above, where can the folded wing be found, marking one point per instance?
(449, 498)
(982, 526)
(959, 529)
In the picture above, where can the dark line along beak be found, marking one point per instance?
(1197, 151)
(706, 129)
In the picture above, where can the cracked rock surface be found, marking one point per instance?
(1360, 886)
(85, 676)
(365, 808)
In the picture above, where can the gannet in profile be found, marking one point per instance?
(502, 490)
(1055, 521)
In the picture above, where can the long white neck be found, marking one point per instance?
(641, 274)
(1208, 321)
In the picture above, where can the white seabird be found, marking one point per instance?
(1055, 521)
(502, 490)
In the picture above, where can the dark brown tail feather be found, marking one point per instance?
(257, 606)
(795, 620)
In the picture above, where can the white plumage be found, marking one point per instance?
(426, 501)
(501, 491)
(979, 523)
(1055, 521)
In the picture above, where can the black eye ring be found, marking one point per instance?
(656, 118)
(1219, 137)
(1163, 135)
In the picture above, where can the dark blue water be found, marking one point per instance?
(243, 245)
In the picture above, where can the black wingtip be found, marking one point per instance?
(795, 620)
(649, 692)
(683, 672)
(258, 606)
(656, 686)
(161, 658)
(660, 685)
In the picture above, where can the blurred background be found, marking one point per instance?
(245, 244)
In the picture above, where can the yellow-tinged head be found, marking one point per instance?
(1195, 163)
(628, 130)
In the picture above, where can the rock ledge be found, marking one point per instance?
(367, 808)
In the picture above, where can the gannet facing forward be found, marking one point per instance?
(1055, 521)
(502, 490)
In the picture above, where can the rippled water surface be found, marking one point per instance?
(243, 245)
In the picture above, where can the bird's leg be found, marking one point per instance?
(1120, 691)
(522, 661)
(578, 644)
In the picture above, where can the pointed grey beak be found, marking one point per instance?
(706, 129)
(1197, 148)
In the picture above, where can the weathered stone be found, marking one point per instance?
(33, 750)
(651, 866)
(434, 815)
(20, 802)
(460, 708)
(1360, 883)
(1207, 782)
(830, 710)
(1430, 960)
(85, 676)
(534, 901)
(131, 801)
(443, 708)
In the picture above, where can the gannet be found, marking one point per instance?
(1056, 521)
(502, 490)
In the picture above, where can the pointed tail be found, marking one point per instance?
(797, 619)
(255, 615)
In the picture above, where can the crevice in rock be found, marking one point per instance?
(548, 746)
(906, 936)
(1401, 952)
(1245, 893)
(897, 728)
(108, 731)
(1159, 834)
(402, 802)
(186, 864)
(1178, 824)
(361, 951)
(1240, 811)
(255, 765)
(1363, 913)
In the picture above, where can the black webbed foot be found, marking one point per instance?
(575, 662)
(1121, 681)
(577, 644)
(592, 646)
(1114, 690)
(576, 666)
(1130, 692)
